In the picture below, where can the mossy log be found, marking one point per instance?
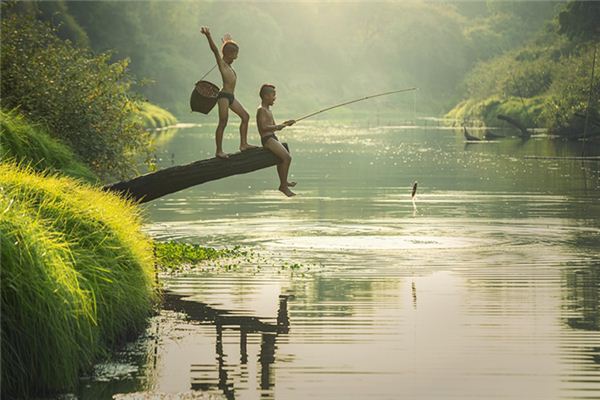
(153, 185)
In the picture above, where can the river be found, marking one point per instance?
(487, 286)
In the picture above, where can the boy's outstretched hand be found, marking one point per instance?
(289, 122)
(205, 31)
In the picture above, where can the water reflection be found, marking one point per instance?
(226, 319)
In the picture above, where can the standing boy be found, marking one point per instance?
(266, 128)
(225, 98)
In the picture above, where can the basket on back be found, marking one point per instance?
(204, 97)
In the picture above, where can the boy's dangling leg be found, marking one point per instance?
(283, 167)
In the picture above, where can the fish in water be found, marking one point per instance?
(414, 190)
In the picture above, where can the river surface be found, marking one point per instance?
(486, 287)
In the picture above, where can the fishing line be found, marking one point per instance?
(355, 101)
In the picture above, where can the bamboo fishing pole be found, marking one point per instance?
(355, 101)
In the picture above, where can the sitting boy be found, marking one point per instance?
(266, 128)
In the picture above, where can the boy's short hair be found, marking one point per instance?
(264, 89)
(229, 45)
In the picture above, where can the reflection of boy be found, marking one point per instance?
(266, 128)
(225, 98)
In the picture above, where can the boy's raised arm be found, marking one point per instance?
(206, 32)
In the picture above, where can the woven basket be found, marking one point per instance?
(204, 97)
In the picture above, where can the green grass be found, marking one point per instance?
(77, 278)
(154, 117)
(30, 144)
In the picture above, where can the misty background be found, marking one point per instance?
(316, 54)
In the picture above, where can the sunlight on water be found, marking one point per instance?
(487, 287)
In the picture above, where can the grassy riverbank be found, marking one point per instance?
(77, 278)
(77, 274)
(29, 144)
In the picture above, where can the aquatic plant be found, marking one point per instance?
(175, 255)
(77, 278)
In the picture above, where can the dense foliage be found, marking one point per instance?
(81, 98)
(75, 279)
(546, 82)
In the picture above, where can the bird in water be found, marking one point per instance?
(413, 194)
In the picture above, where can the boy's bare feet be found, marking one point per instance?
(244, 147)
(286, 190)
(291, 184)
(222, 154)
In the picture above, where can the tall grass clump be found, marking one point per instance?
(48, 323)
(29, 144)
(77, 278)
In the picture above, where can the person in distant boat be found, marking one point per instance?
(266, 128)
(226, 98)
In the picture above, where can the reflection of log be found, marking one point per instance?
(514, 122)
(468, 136)
(489, 135)
(169, 180)
(592, 120)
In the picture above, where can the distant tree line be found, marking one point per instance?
(315, 53)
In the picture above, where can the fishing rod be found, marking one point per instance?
(355, 101)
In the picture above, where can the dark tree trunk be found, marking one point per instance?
(524, 132)
(169, 180)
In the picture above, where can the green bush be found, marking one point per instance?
(77, 278)
(545, 83)
(80, 98)
(31, 145)
(568, 96)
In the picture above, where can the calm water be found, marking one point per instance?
(488, 287)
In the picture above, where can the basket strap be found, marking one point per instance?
(209, 71)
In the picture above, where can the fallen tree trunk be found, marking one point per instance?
(524, 132)
(153, 185)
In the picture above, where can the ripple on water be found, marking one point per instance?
(364, 242)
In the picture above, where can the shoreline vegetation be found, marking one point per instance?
(548, 82)
(83, 275)
(77, 280)
(77, 272)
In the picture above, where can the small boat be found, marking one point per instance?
(470, 137)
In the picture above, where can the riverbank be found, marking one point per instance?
(83, 276)
(77, 275)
